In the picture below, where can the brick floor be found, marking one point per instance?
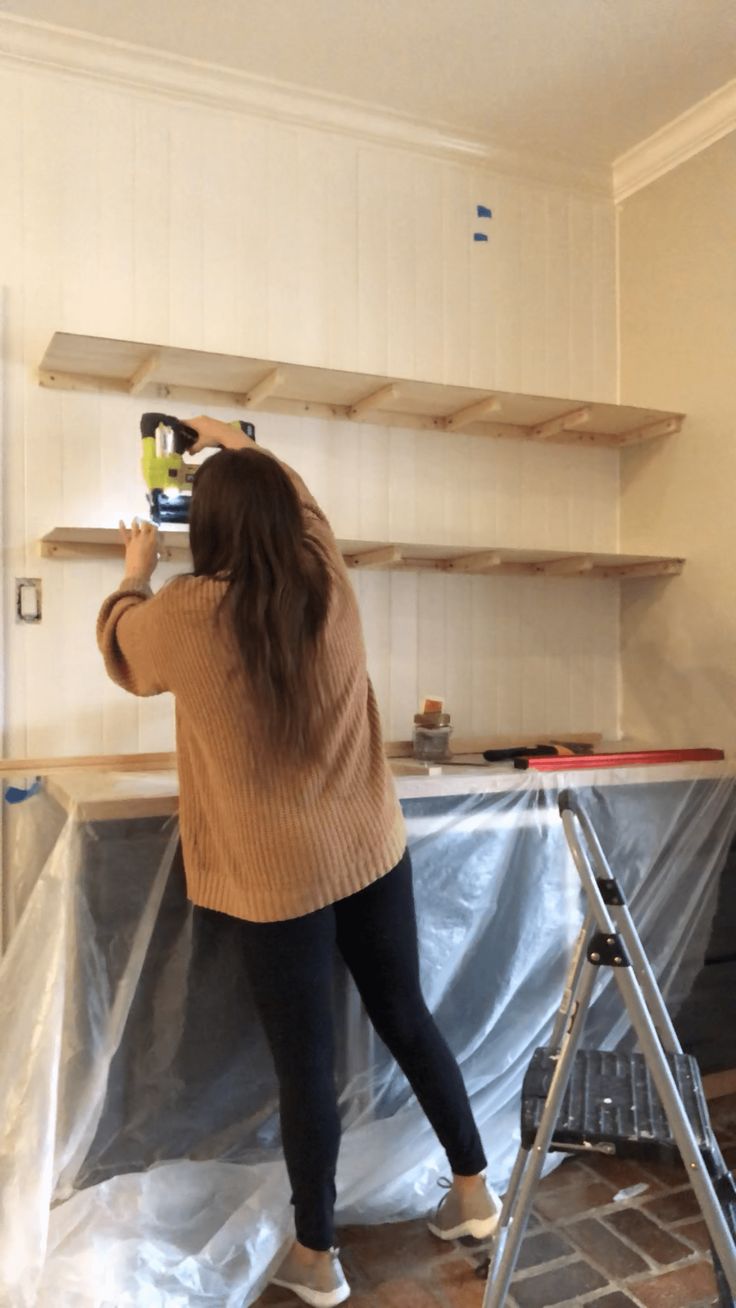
(584, 1248)
(648, 1236)
(610, 1253)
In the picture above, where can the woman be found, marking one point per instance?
(289, 818)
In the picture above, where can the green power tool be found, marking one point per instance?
(166, 473)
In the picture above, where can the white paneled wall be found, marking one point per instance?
(127, 216)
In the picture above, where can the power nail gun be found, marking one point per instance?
(166, 473)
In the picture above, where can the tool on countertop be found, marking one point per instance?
(553, 749)
(168, 476)
(625, 759)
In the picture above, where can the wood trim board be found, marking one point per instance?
(169, 373)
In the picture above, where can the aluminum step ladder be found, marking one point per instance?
(649, 1104)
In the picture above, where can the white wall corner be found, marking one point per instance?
(193, 81)
(676, 142)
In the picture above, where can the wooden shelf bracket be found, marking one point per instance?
(144, 373)
(667, 427)
(388, 556)
(483, 561)
(263, 388)
(471, 413)
(565, 422)
(576, 566)
(375, 400)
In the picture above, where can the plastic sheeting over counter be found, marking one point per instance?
(139, 1142)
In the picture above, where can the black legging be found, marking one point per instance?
(290, 966)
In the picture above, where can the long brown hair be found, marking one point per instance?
(247, 526)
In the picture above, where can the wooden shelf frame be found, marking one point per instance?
(104, 543)
(167, 374)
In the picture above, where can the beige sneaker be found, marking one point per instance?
(461, 1214)
(321, 1286)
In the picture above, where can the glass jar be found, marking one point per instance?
(432, 744)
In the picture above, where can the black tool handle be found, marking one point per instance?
(184, 437)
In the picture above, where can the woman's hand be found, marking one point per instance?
(215, 434)
(141, 549)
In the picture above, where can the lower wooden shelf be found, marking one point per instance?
(104, 542)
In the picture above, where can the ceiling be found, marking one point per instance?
(581, 79)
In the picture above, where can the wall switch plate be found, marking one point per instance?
(28, 599)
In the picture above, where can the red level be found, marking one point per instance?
(634, 758)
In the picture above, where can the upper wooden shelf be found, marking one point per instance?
(94, 363)
(104, 542)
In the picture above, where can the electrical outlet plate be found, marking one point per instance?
(28, 599)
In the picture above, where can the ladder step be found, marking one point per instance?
(612, 1105)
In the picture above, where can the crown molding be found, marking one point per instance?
(191, 81)
(676, 142)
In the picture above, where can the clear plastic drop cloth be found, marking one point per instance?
(140, 1162)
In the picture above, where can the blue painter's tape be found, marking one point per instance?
(484, 211)
(14, 794)
(479, 236)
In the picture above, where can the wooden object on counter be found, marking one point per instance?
(41, 767)
(163, 762)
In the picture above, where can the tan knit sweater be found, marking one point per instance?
(260, 843)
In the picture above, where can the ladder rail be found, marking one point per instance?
(622, 916)
(655, 1054)
(529, 1163)
(572, 981)
(621, 950)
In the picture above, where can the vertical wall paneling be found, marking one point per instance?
(429, 254)
(221, 253)
(404, 655)
(45, 152)
(152, 267)
(481, 475)
(405, 498)
(250, 272)
(508, 601)
(189, 210)
(432, 635)
(373, 480)
(114, 160)
(557, 317)
(508, 464)
(458, 685)
(309, 238)
(582, 303)
(532, 291)
(506, 252)
(341, 253)
(150, 219)
(456, 268)
(374, 199)
(401, 268)
(374, 599)
(531, 654)
(605, 330)
(430, 450)
(484, 667)
(484, 306)
(281, 197)
(458, 491)
(5, 923)
(12, 466)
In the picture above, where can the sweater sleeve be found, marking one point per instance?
(128, 628)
